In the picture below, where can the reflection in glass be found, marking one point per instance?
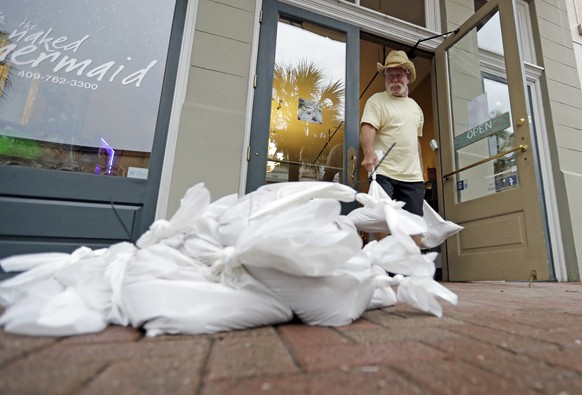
(489, 35)
(70, 80)
(307, 110)
(481, 120)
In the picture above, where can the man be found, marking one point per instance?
(392, 117)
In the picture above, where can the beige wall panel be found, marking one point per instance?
(209, 150)
(570, 160)
(563, 93)
(570, 164)
(574, 183)
(561, 53)
(569, 137)
(575, 17)
(555, 33)
(248, 5)
(564, 99)
(578, 52)
(225, 20)
(566, 115)
(458, 11)
(552, 11)
(220, 54)
(217, 89)
(209, 145)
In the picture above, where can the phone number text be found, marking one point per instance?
(58, 80)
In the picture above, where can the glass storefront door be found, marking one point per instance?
(301, 130)
(306, 131)
(481, 115)
(85, 94)
(489, 173)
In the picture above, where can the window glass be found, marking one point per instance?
(485, 154)
(489, 35)
(80, 83)
(308, 104)
(489, 32)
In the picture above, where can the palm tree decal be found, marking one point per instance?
(4, 68)
(298, 142)
(13, 151)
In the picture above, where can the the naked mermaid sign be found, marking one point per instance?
(29, 46)
(78, 72)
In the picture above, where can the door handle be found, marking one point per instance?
(522, 148)
(352, 167)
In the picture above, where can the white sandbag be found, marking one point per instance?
(49, 309)
(333, 300)
(384, 295)
(304, 240)
(204, 227)
(371, 217)
(36, 268)
(191, 307)
(438, 229)
(192, 206)
(203, 245)
(166, 291)
(97, 280)
(291, 194)
(205, 230)
(78, 298)
(164, 262)
(369, 220)
(270, 200)
(382, 214)
(421, 293)
(219, 207)
(27, 262)
(398, 253)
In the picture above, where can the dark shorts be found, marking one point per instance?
(411, 193)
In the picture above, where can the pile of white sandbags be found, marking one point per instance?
(236, 263)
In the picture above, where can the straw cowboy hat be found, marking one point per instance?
(398, 59)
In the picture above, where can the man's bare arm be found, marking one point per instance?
(367, 133)
(420, 158)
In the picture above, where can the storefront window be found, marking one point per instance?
(80, 83)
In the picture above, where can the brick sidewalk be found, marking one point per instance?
(502, 338)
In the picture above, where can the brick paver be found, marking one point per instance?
(502, 338)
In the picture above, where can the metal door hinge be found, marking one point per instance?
(260, 16)
(255, 81)
(248, 153)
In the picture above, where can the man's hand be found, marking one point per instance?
(370, 161)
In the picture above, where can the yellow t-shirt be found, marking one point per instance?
(396, 120)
